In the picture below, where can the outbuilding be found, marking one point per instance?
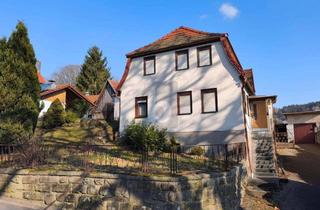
(303, 127)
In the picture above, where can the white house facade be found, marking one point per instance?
(195, 87)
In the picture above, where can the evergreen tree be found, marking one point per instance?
(94, 72)
(55, 116)
(20, 44)
(19, 104)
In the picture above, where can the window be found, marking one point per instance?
(254, 112)
(184, 100)
(204, 56)
(149, 66)
(182, 60)
(141, 107)
(209, 100)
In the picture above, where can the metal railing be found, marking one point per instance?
(110, 158)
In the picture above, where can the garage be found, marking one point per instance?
(303, 127)
(304, 133)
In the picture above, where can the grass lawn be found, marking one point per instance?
(66, 148)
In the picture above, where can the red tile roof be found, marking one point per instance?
(93, 98)
(114, 84)
(177, 38)
(58, 88)
(41, 79)
(185, 37)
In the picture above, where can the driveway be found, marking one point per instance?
(302, 168)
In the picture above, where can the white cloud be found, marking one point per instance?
(204, 16)
(229, 11)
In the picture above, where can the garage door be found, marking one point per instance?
(304, 133)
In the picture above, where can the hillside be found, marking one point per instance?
(312, 106)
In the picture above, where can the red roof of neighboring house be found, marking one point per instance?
(93, 98)
(185, 37)
(58, 88)
(41, 79)
(114, 84)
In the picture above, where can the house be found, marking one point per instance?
(65, 93)
(107, 102)
(190, 82)
(303, 127)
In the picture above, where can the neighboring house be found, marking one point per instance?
(190, 82)
(303, 127)
(65, 93)
(107, 102)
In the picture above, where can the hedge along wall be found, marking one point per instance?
(75, 190)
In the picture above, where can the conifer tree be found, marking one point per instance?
(94, 72)
(19, 88)
(20, 44)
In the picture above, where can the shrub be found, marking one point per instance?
(55, 116)
(79, 107)
(197, 151)
(71, 117)
(145, 136)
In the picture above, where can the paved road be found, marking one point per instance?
(301, 166)
(13, 204)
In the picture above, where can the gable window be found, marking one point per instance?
(209, 100)
(204, 56)
(182, 60)
(149, 66)
(184, 103)
(141, 107)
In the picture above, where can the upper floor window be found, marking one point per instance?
(149, 66)
(184, 103)
(141, 107)
(204, 56)
(182, 60)
(209, 100)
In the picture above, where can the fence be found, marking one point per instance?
(179, 159)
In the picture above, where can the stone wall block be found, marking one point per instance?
(99, 181)
(43, 187)
(92, 189)
(29, 180)
(28, 187)
(49, 179)
(49, 198)
(33, 196)
(61, 188)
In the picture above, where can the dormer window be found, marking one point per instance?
(204, 56)
(182, 60)
(149, 66)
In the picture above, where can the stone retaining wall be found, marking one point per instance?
(75, 190)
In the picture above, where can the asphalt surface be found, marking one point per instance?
(301, 165)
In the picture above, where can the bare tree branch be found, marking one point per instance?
(67, 75)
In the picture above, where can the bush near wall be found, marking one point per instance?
(142, 136)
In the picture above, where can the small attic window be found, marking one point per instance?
(204, 56)
(182, 60)
(149, 66)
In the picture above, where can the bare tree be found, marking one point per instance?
(67, 75)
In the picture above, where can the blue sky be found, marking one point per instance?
(278, 39)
